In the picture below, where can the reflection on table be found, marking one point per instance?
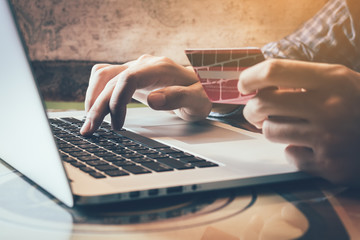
(295, 210)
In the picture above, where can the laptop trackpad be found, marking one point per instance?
(195, 133)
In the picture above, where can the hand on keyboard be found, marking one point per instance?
(165, 85)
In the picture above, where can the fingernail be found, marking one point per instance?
(85, 127)
(157, 100)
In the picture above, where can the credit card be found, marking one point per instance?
(219, 69)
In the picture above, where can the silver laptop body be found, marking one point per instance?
(27, 144)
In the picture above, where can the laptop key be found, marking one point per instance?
(168, 150)
(94, 149)
(191, 159)
(204, 164)
(88, 158)
(86, 146)
(71, 138)
(116, 173)
(122, 150)
(113, 158)
(78, 164)
(180, 155)
(100, 152)
(123, 163)
(65, 145)
(146, 151)
(97, 163)
(68, 159)
(105, 154)
(175, 163)
(79, 154)
(131, 155)
(93, 139)
(108, 145)
(87, 169)
(97, 175)
(142, 160)
(135, 169)
(157, 155)
(138, 147)
(156, 166)
(106, 167)
(71, 150)
(128, 143)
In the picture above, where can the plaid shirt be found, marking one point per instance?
(331, 36)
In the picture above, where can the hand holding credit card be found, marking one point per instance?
(219, 70)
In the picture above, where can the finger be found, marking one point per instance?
(97, 67)
(284, 74)
(121, 96)
(94, 69)
(290, 131)
(98, 110)
(100, 75)
(174, 97)
(162, 80)
(279, 103)
(146, 73)
(161, 72)
(191, 101)
(303, 158)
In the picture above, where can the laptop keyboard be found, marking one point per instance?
(113, 154)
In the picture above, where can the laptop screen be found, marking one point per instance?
(26, 140)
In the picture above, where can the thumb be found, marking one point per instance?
(190, 102)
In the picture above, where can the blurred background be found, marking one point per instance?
(66, 38)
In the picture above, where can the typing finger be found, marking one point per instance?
(101, 74)
(121, 96)
(98, 110)
(90, 89)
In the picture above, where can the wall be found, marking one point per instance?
(66, 37)
(121, 30)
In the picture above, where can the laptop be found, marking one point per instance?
(155, 155)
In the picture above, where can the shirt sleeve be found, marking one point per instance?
(331, 36)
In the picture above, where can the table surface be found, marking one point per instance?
(311, 209)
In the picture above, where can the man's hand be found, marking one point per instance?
(313, 107)
(155, 81)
